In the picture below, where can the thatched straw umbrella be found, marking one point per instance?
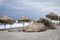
(47, 23)
(24, 19)
(6, 20)
(34, 27)
(52, 16)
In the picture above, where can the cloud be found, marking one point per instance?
(1, 1)
(29, 7)
(56, 10)
(35, 5)
(26, 4)
(43, 5)
(31, 4)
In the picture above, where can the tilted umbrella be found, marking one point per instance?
(23, 19)
(52, 16)
(34, 27)
(47, 23)
(6, 20)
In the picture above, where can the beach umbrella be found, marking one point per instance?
(34, 27)
(23, 19)
(6, 20)
(52, 16)
(47, 23)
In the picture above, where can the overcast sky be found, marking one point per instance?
(30, 8)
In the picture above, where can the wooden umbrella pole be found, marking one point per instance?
(23, 23)
(4, 26)
(10, 26)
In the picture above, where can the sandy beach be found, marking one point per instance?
(46, 35)
(29, 19)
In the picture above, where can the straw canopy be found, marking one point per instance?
(23, 18)
(6, 20)
(52, 16)
(47, 23)
(34, 27)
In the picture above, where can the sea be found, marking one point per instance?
(13, 25)
(21, 24)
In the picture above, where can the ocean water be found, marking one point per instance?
(21, 24)
(13, 25)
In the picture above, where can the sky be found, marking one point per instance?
(33, 9)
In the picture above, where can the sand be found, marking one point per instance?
(46, 35)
